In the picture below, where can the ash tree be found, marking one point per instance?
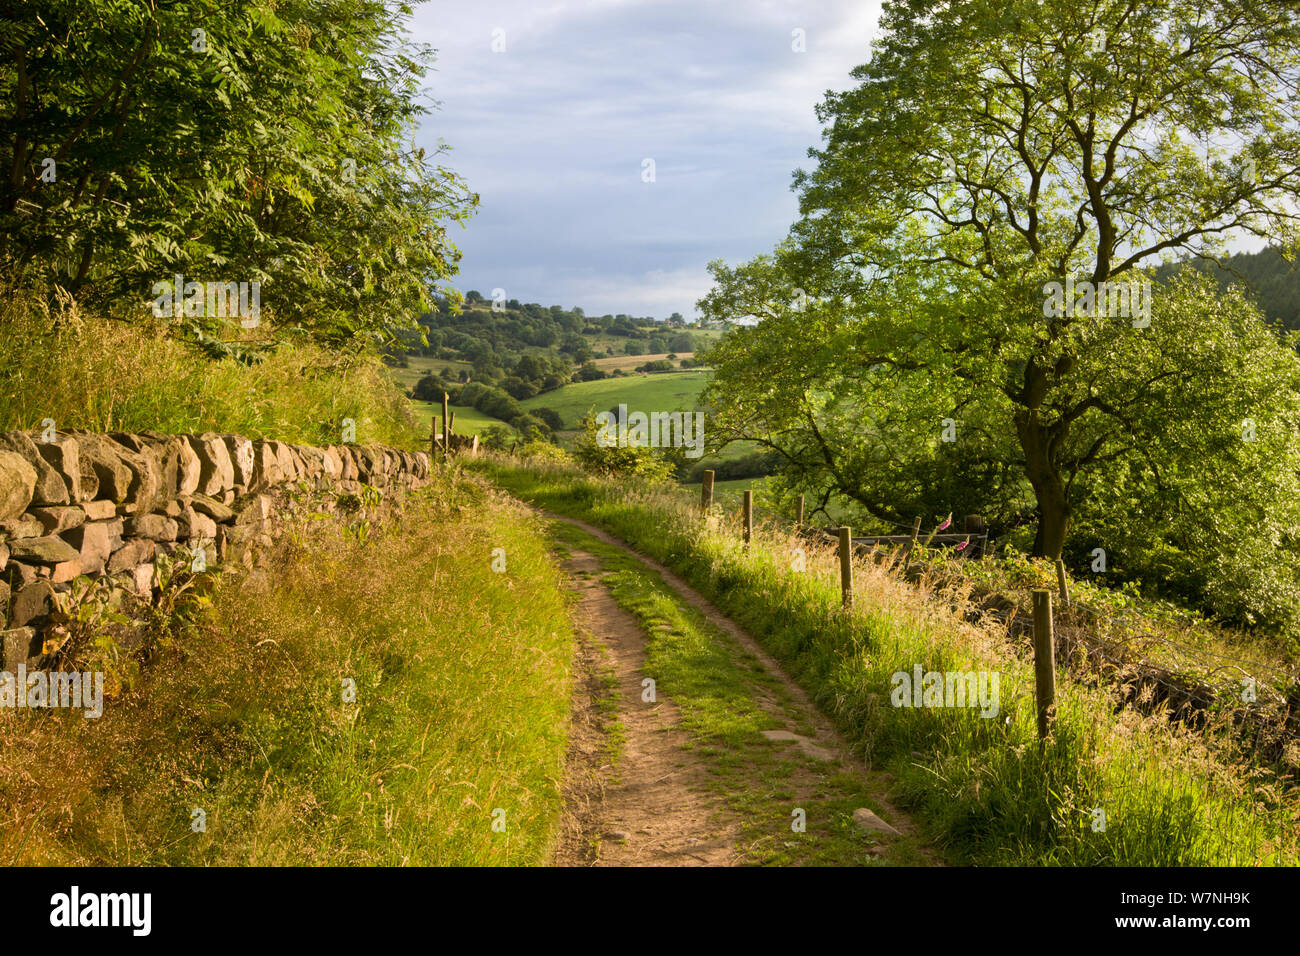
(911, 353)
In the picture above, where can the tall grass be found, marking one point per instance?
(86, 371)
(461, 710)
(984, 788)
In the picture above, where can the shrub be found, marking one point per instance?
(518, 388)
(496, 437)
(430, 388)
(589, 373)
(554, 421)
(659, 365)
(544, 451)
(499, 405)
(531, 428)
(619, 459)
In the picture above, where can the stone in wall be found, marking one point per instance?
(112, 504)
(17, 483)
(50, 488)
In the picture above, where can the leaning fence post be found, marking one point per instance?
(846, 567)
(911, 545)
(446, 415)
(1044, 661)
(749, 515)
(706, 492)
(798, 513)
(1062, 584)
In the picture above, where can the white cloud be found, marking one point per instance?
(552, 133)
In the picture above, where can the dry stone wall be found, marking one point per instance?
(94, 504)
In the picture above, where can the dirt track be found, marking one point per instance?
(651, 807)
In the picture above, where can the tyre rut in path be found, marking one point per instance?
(656, 809)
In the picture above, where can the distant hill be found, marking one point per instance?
(493, 339)
(1273, 282)
(491, 359)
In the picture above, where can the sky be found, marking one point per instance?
(555, 126)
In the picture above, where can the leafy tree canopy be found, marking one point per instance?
(250, 141)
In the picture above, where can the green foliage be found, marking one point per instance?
(589, 372)
(1271, 279)
(497, 437)
(544, 451)
(755, 464)
(246, 141)
(431, 388)
(531, 428)
(908, 357)
(659, 365)
(550, 416)
(608, 452)
(529, 330)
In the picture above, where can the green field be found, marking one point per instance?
(469, 421)
(667, 392)
(662, 392)
(422, 365)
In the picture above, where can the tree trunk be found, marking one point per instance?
(1054, 512)
(1053, 519)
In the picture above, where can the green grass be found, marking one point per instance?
(731, 493)
(419, 366)
(469, 421)
(714, 683)
(667, 392)
(983, 789)
(462, 700)
(88, 372)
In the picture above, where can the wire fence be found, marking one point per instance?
(1200, 687)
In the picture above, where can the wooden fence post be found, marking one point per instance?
(798, 513)
(706, 492)
(846, 567)
(749, 515)
(446, 435)
(916, 532)
(1044, 661)
(1062, 584)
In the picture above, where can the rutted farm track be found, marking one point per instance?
(654, 782)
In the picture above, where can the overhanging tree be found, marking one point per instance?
(991, 148)
(242, 140)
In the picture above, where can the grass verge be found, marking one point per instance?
(85, 371)
(459, 722)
